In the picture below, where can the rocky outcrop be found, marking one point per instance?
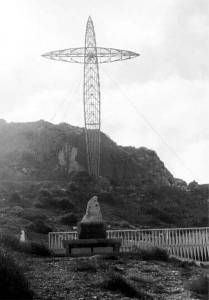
(67, 159)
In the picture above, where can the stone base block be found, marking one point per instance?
(80, 251)
(103, 250)
(91, 247)
(91, 231)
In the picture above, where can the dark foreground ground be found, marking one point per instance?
(81, 279)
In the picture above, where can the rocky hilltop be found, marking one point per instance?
(41, 150)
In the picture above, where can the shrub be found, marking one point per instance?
(13, 284)
(153, 253)
(124, 224)
(106, 197)
(161, 215)
(72, 187)
(35, 248)
(38, 204)
(64, 204)
(10, 241)
(183, 264)
(85, 265)
(141, 280)
(116, 282)
(69, 219)
(46, 200)
(110, 256)
(59, 192)
(44, 193)
(119, 224)
(39, 226)
(16, 199)
(156, 254)
(32, 215)
(16, 210)
(28, 247)
(199, 285)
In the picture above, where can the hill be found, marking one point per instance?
(43, 177)
(47, 151)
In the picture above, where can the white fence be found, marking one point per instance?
(187, 243)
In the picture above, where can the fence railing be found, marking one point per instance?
(187, 243)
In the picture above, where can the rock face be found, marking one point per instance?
(41, 150)
(92, 225)
(67, 159)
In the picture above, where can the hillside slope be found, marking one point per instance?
(41, 150)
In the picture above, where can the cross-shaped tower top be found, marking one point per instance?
(91, 56)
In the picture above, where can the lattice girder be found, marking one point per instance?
(91, 56)
(91, 100)
(77, 55)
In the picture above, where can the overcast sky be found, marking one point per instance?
(158, 100)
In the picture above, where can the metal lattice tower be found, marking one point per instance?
(91, 56)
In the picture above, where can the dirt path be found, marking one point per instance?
(56, 278)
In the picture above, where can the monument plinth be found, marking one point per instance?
(92, 234)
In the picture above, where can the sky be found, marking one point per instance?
(158, 100)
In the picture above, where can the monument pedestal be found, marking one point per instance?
(88, 247)
(92, 235)
(92, 230)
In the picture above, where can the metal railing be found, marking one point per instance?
(187, 243)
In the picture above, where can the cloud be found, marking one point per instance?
(167, 116)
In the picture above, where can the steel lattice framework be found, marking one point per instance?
(91, 56)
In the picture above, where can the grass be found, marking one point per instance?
(153, 253)
(29, 247)
(118, 283)
(110, 257)
(36, 249)
(47, 200)
(199, 285)
(39, 226)
(85, 265)
(13, 284)
(145, 283)
(69, 219)
(141, 280)
(90, 264)
(32, 215)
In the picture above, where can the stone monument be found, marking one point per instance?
(93, 212)
(92, 225)
(92, 237)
